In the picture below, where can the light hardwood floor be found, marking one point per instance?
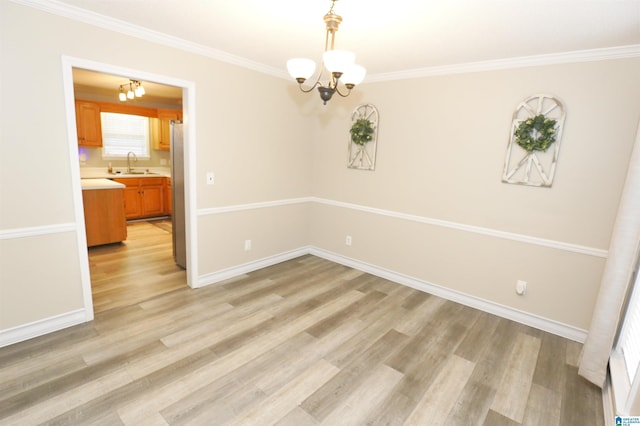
(304, 342)
(137, 269)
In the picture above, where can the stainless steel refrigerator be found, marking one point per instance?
(177, 194)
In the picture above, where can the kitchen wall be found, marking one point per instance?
(434, 210)
(92, 157)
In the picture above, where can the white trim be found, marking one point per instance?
(34, 231)
(535, 321)
(68, 63)
(252, 206)
(618, 382)
(92, 18)
(576, 248)
(608, 406)
(190, 193)
(234, 271)
(38, 328)
(623, 392)
(522, 238)
(589, 55)
(49, 325)
(76, 186)
(590, 251)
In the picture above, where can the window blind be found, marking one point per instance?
(124, 133)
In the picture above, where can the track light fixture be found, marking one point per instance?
(131, 90)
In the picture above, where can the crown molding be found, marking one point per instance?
(88, 17)
(591, 55)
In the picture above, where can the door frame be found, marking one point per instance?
(188, 102)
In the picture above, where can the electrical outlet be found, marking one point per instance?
(247, 245)
(210, 178)
(347, 240)
(521, 287)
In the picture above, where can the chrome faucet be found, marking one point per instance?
(135, 158)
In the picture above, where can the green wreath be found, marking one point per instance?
(361, 131)
(536, 133)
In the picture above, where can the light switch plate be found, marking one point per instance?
(210, 178)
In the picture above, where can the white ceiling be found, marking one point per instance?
(387, 36)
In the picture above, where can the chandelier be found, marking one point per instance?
(338, 63)
(133, 90)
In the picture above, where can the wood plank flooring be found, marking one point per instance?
(136, 269)
(304, 342)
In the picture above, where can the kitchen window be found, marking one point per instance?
(124, 133)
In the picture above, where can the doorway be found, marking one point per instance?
(149, 241)
(139, 267)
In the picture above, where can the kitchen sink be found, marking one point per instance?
(134, 172)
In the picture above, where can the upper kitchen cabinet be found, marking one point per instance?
(88, 124)
(161, 128)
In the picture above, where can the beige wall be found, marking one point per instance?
(441, 152)
(248, 132)
(39, 278)
(272, 231)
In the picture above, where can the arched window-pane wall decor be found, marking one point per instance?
(363, 138)
(534, 141)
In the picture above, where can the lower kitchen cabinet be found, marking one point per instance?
(167, 197)
(104, 216)
(144, 197)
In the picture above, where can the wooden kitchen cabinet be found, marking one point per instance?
(144, 197)
(161, 128)
(88, 124)
(167, 197)
(104, 216)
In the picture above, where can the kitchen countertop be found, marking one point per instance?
(88, 184)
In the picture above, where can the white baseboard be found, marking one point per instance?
(38, 328)
(245, 268)
(535, 321)
(49, 325)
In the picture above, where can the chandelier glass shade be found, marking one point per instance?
(338, 64)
